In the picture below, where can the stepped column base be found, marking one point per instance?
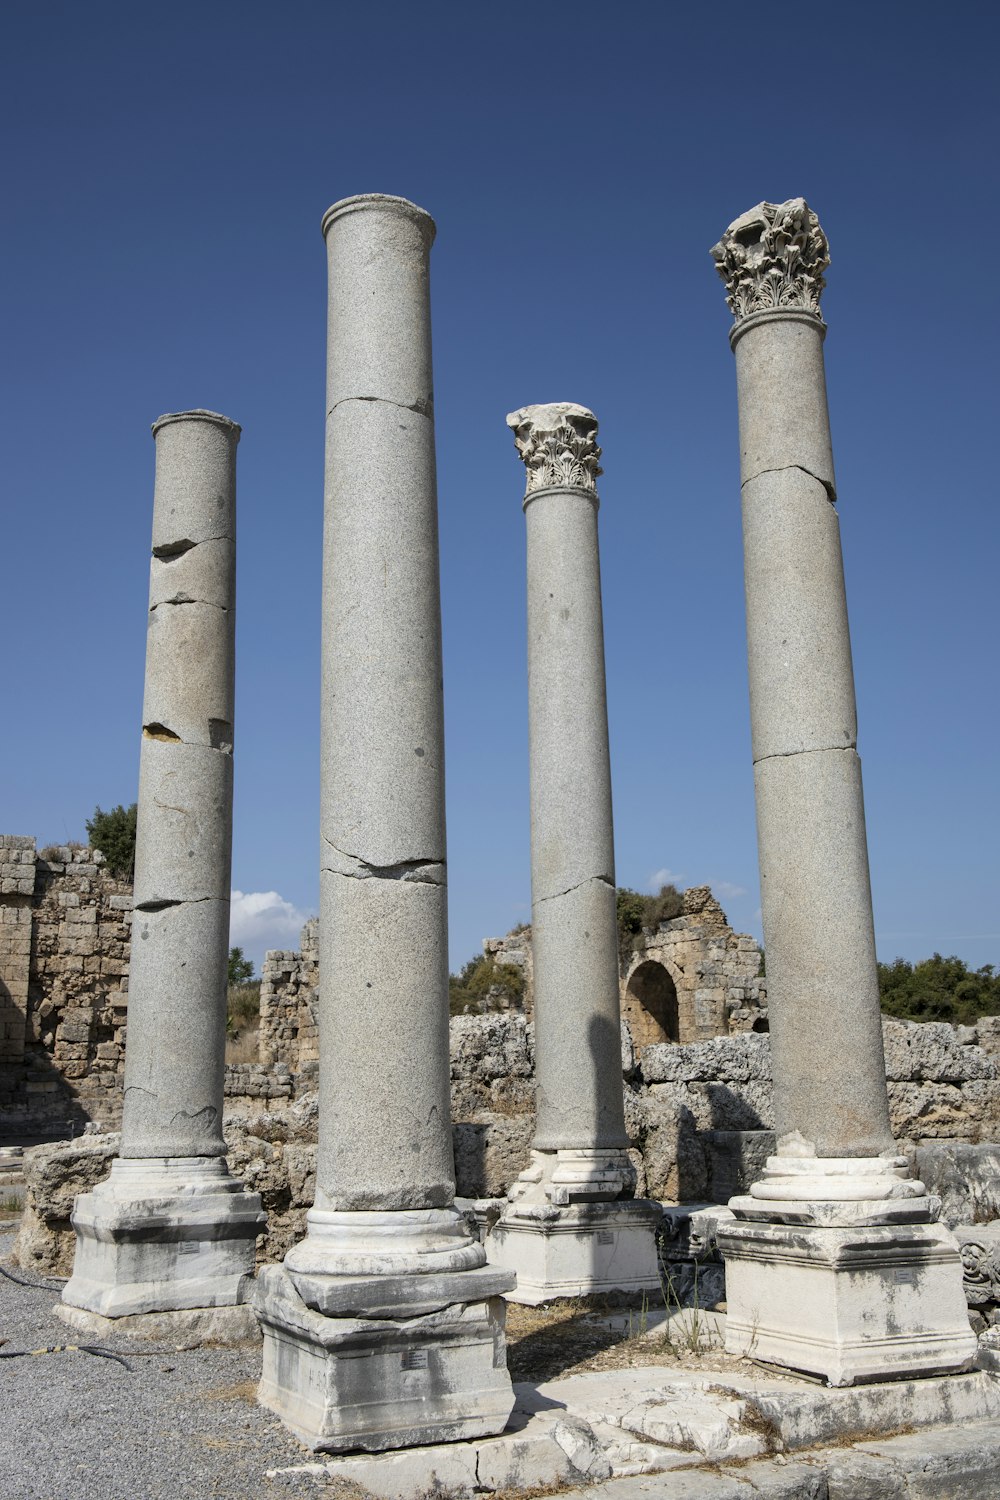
(385, 1352)
(164, 1234)
(862, 1286)
(567, 1231)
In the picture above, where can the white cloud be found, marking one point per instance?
(663, 877)
(259, 920)
(726, 889)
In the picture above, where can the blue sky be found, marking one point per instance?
(167, 169)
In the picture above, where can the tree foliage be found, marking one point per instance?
(638, 914)
(483, 984)
(114, 834)
(938, 989)
(240, 968)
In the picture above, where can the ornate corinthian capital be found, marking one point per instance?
(772, 257)
(558, 443)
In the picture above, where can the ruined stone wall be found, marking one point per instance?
(712, 970)
(76, 918)
(17, 886)
(288, 989)
(693, 978)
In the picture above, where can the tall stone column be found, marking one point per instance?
(383, 1327)
(172, 1172)
(572, 1225)
(835, 1263)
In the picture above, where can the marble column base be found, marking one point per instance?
(860, 1303)
(577, 1250)
(385, 1361)
(163, 1234)
(230, 1326)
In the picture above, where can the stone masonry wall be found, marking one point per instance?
(693, 978)
(17, 886)
(76, 918)
(714, 971)
(289, 982)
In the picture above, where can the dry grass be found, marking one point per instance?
(246, 1390)
(242, 1048)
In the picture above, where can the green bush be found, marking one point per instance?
(114, 834)
(484, 985)
(938, 989)
(638, 914)
(240, 968)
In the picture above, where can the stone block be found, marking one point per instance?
(965, 1177)
(377, 1383)
(877, 1303)
(161, 1235)
(581, 1250)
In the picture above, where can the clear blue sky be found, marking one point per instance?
(167, 169)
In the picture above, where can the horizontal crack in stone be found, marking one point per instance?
(831, 493)
(852, 749)
(422, 407)
(416, 870)
(589, 880)
(168, 552)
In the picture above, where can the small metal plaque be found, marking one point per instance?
(605, 1237)
(188, 1247)
(414, 1359)
(906, 1277)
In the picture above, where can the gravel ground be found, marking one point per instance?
(175, 1425)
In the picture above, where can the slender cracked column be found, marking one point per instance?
(579, 1155)
(175, 1058)
(836, 1164)
(172, 1147)
(384, 1218)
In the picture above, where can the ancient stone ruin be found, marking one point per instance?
(838, 1151)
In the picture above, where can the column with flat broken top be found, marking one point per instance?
(834, 1264)
(383, 1327)
(571, 1226)
(170, 1229)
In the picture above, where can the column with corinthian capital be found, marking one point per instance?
(571, 1225)
(835, 1263)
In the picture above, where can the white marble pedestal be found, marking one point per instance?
(164, 1234)
(385, 1361)
(567, 1232)
(858, 1284)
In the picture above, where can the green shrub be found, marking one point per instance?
(484, 985)
(240, 968)
(639, 914)
(114, 834)
(938, 989)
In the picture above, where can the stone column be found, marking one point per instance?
(383, 1327)
(572, 1226)
(172, 1164)
(866, 1283)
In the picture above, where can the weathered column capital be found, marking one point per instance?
(199, 414)
(772, 259)
(558, 444)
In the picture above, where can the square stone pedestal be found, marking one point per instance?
(874, 1302)
(162, 1235)
(578, 1249)
(385, 1361)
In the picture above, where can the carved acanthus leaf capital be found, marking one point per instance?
(558, 444)
(773, 257)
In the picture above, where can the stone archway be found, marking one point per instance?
(649, 1005)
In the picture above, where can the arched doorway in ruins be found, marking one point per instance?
(650, 1005)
